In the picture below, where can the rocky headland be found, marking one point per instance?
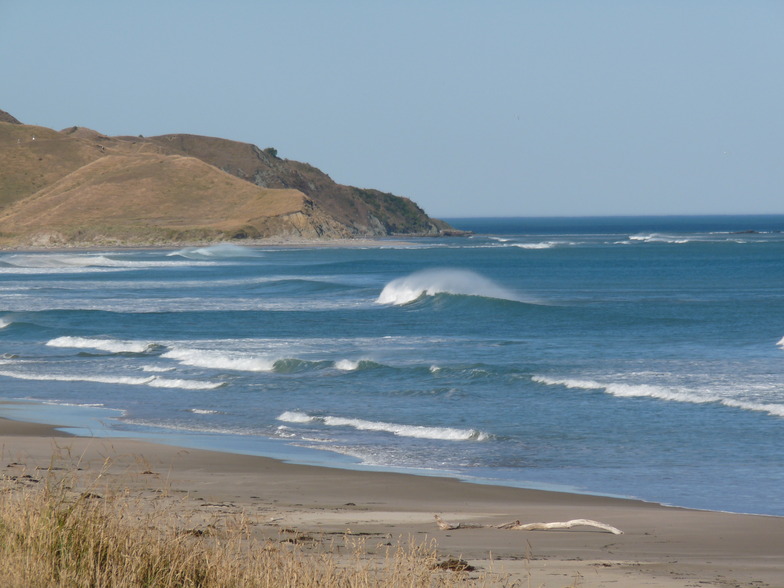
(79, 187)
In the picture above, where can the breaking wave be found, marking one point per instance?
(657, 238)
(223, 251)
(415, 431)
(110, 345)
(220, 361)
(443, 281)
(348, 365)
(151, 381)
(661, 393)
(58, 263)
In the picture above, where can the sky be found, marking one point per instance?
(483, 108)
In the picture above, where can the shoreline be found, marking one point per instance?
(276, 242)
(661, 546)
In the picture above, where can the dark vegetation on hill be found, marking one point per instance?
(80, 187)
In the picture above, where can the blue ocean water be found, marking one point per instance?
(639, 357)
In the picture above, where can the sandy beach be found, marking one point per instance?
(660, 546)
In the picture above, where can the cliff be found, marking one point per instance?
(78, 186)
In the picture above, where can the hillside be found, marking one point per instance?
(78, 186)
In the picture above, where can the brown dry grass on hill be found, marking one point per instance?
(138, 193)
(80, 187)
(32, 158)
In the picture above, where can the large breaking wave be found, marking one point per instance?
(444, 281)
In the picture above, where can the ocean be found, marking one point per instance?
(639, 357)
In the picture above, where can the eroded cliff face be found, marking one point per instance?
(80, 187)
(363, 212)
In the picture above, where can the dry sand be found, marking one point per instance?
(660, 546)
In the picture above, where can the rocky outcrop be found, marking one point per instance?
(364, 212)
(7, 118)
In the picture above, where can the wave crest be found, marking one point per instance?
(220, 361)
(415, 431)
(222, 251)
(661, 393)
(110, 345)
(152, 381)
(443, 281)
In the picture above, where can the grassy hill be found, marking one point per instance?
(78, 186)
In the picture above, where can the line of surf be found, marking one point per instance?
(151, 381)
(415, 431)
(110, 345)
(661, 393)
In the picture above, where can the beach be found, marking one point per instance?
(660, 546)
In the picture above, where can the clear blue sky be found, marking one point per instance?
(488, 108)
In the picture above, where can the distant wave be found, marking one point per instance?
(110, 345)
(152, 381)
(157, 369)
(220, 361)
(661, 393)
(416, 431)
(657, 238)
(348, 365)
(542, 244)
(443, 281)
(223, 251)
(81, 262)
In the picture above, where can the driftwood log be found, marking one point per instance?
(518, 526)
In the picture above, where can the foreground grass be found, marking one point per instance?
(53, 535)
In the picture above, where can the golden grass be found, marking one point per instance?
(54, 535)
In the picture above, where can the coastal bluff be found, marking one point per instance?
(79, 187)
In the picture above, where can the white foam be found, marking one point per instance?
(416, 431)
(448, 281)
(110, 345)
(207, 358)
(158, 382)
(541, 245)
(203, 411)
(346, 365)
(662, 393)
(781, 342)
(4, 323)
(295, 417)
(152, 381)
(221, 251)
(157, 369)
(80, 262)
(657, 238)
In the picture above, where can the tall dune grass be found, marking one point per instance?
(52, 535)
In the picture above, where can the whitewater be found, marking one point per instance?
(639, 357)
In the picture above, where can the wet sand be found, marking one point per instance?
(660, 546)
